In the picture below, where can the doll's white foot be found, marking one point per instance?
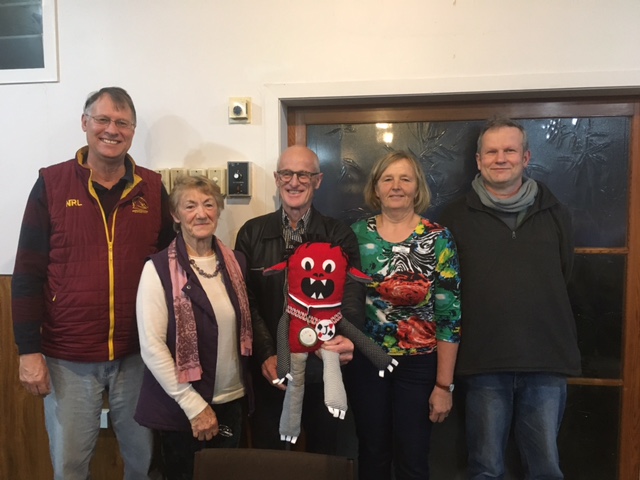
(337, 413)
(288, 438)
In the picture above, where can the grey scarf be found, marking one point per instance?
(517, 204)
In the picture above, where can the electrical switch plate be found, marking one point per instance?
(240, 110)
(104, 418)
(218, 175)
(238, 179)
(177, 172)
(198, 171)
(166, 178)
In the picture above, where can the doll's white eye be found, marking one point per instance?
(329, 266)
(307, 263)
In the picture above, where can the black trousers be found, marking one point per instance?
(392, 416)
(177, 449)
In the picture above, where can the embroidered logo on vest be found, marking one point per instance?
(139, 205)
(73, 202)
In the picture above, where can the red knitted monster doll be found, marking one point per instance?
(316, 276)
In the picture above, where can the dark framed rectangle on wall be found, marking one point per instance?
(28, 41)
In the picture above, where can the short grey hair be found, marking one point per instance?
(501, 122)
(119, 96)
(194, 182)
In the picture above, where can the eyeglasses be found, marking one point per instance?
(105, 121)
(286, 176)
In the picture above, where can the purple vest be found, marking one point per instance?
(155, 408)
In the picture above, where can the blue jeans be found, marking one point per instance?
(534, 403)
(72, 414)
(392, 416)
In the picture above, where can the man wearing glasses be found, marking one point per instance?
(88, 226)
(265, 241)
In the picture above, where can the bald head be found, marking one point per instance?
(297, 179)
(300, 154)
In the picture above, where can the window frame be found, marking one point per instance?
(580, 104)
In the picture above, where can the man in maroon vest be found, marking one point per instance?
(89, 224)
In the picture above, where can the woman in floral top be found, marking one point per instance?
(412, 311)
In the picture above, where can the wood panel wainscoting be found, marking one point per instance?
(24, 446)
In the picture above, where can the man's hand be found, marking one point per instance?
(342, 345)
(205, 425)
(34, 374)
(270, 372)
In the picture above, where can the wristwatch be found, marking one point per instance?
(448, 388)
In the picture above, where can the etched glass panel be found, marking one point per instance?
(583, 160)
(597, 299)
(588, 439)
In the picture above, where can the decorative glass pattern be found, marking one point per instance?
(583, 160)
(597, 299)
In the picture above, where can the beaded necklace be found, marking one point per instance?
(202, 272)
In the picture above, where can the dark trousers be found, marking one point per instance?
(319, 427)
(392, 416)
(177, 449)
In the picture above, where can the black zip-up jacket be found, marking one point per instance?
(261, 240)
(516, 314)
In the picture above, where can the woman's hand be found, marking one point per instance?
(205, 425)
(440, 403)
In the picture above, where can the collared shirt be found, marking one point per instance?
(293, 236)
(109, 197)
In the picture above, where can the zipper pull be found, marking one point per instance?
(513, 235)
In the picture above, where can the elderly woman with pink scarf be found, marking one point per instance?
(195, 333)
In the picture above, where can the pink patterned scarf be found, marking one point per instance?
(187, 358)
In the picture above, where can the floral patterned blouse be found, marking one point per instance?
(414, 298)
